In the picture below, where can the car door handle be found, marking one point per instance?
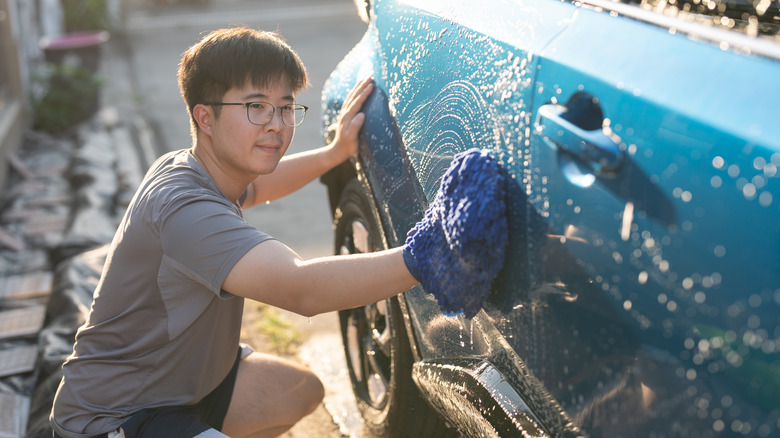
(595, 149)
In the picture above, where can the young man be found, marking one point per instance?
(159, 354)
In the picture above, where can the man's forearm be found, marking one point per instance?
(294, 172)
(273, 274)
(353, 280)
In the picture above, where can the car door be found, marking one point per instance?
(455, 80)
(655, 250)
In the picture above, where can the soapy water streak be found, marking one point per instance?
(458, 248)
(457, 119)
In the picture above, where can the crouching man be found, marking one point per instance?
(159, 354)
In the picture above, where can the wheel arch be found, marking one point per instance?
(387, 180)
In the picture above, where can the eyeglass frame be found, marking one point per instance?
(247, 104)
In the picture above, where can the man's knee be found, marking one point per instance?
(314, 392)
(271, 394)
(271, 389)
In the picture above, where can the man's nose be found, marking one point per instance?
(275, 123)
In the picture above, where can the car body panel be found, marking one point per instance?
(655, 280)
(638, 291)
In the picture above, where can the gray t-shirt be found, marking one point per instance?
(160, 332)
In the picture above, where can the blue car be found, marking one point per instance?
(640, 295)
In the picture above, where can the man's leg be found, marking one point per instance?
(270, 395)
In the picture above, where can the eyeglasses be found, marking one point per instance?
(260, 113)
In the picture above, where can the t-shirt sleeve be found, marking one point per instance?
(203, 239)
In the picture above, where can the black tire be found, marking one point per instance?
(375, 342)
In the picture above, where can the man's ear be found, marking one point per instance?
(204, 116)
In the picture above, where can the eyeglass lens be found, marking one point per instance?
(260, 113)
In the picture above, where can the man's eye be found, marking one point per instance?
(256, 106)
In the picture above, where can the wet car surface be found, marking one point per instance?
(641, 290)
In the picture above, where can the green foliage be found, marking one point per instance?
(68, 95)
(744, 364)
(266, 322)
(82, 15)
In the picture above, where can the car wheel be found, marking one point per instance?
(375, 342)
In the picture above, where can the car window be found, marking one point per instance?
(750, 17)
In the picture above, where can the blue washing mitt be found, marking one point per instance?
(458, 248)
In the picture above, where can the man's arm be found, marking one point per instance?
(297, 170)
(292, 173)
(273, 274)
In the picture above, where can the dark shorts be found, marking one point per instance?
(184, 421)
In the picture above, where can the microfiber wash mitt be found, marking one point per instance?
(458, 248)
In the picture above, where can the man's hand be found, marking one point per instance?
(350, 120)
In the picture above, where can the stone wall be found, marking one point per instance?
(59, 210)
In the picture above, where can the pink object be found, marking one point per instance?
(75, 40)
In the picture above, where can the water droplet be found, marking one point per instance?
(749, 191)
(765, 199)
(716, 181)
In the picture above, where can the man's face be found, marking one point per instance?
(247, 148)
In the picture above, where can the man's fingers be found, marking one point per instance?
(351, 119)
(358, 95)
(356, 123)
